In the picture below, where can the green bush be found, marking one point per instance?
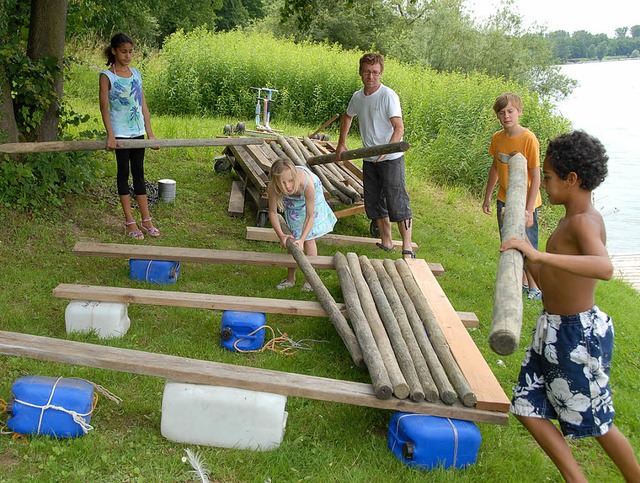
(448, 117)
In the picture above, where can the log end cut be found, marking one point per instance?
(503, 342)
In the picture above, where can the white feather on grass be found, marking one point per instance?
(199, 467)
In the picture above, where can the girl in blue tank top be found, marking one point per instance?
(126, 116)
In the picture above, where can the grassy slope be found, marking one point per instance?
(323, 441)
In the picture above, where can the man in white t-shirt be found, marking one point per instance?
(380, 120)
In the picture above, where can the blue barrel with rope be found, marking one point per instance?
(242, 331)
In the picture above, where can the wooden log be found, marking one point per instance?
(372, 358)
(311, 146)
(379, 150)
(438, 340)
(328, 303)
(506, 321)
(99, 145)
(445, 389)
(398, 343)
(277, 149)
(288, 150)
(336, 188)
(426, 380)
(195, 371)
(302, 153)
(338, 180)
(398, 382)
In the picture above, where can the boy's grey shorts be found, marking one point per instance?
(385, 192)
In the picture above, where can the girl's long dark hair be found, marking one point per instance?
(116, 41)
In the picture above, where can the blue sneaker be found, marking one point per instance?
(534, 294)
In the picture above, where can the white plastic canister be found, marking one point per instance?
(223, 417)
(108, 319)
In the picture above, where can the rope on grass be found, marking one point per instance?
(282, 344)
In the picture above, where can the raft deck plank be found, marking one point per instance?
(195, 371)
(483, 382)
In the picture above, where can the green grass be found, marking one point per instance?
(323, 441)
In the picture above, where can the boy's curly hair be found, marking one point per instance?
(581, 153)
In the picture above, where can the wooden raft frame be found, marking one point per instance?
(208, 301)
(490, 394)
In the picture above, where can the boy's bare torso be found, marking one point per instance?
(580, 234)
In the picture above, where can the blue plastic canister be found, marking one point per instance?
(425, 441)
(241, 330)
(48, 405)
(154, 271)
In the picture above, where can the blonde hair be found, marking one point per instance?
(282, 167)
(504, 99)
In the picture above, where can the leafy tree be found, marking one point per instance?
(621, 32)
(602, 49)
(635, 31)
(237, 13)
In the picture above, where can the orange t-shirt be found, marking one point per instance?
(504, 146)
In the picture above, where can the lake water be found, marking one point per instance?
(606, 104)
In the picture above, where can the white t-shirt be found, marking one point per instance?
(374, 112)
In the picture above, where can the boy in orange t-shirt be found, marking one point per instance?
(512, 139)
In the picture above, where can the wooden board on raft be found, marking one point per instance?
(490, 394)
(196, 371)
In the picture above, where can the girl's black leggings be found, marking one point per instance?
(135, 158)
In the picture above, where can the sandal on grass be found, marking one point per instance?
(152, 230)
(411, 254)
(386, 249)
(136, 234)
(285, 284)
(307, 287)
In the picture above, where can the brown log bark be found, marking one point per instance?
(300, 150)
(403, 356)
(372, 358)
(328, 303)
(398, 382)
(361, 153)
(338, 180)
(277, 149)
(291, 154)
(445, 389)
(336, 188)
(426, 379)
(438, 340)
(506, 321)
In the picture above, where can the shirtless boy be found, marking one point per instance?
(565, 372)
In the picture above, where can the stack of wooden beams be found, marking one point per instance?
(401, 342)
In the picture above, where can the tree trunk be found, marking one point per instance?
(8, 126)
(46, 38)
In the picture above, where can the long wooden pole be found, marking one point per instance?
(506, 322)
(398, 382)
(403, 356)
(426, 379)
(445, 389)
(400, 146)
(379, 377)
(98, 145)
(328, 303)
(438, 340)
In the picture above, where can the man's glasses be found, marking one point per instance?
(374, 73)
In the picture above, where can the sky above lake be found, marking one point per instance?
(594, 16)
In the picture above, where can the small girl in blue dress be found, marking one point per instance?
(297, 192)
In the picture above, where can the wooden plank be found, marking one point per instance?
(99, 145)
(258, 156)
(192, 300)
(354, 210)
(355, 169)
(195, 371)
(236, 199)
(198, 255)
(254, 173)
(490, 394)
(267, 234)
